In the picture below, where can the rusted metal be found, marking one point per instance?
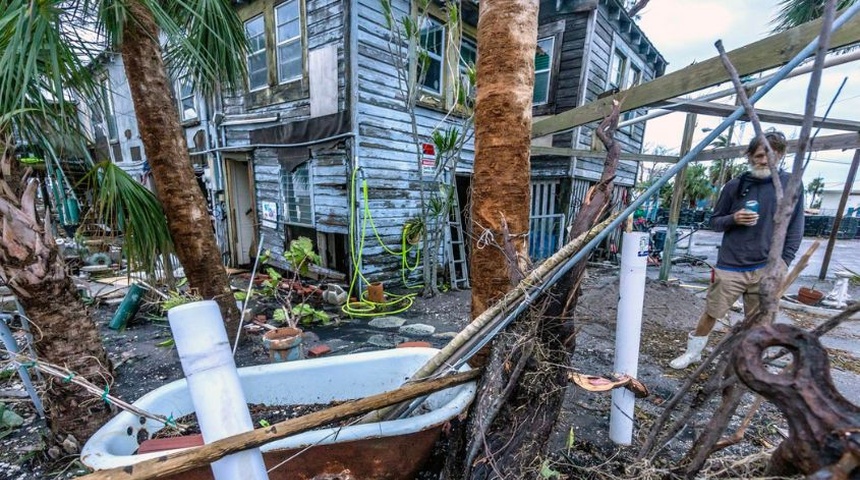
(824, 427)
(390, 458)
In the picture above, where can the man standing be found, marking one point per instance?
(744, 213)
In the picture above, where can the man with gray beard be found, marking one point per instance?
(744, 213)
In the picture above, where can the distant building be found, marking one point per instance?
(832, 193)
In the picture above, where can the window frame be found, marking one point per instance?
(292, 40)
(265, 51)
(463, 74)
(632, 63)
(555, 30)
(547, 70)
(108, 110)
(184, 80)
(275, 91)
(289, 200)
(441, 57)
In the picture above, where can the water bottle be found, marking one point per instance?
(751, 206)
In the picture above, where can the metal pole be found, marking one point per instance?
(677, 197)
(846, 192)
(586, 250)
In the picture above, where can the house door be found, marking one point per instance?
(241, 209)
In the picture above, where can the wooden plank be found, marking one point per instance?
(767, 116)
(768, 53)
(843, 141)
(570, 152)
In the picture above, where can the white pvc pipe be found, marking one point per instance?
(631, 297)
(217, 396)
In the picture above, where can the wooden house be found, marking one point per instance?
(589, 49)
(321, 143)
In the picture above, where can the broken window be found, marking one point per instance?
(297, 192)
(543, 70)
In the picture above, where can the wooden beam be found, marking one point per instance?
(768, 116)
(843, 141)
(768, 53)
(570, 152)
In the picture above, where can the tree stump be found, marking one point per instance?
(824, 427)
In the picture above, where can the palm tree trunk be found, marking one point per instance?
(167, 153)
(31, 266)
(503, 117)
(507, 35)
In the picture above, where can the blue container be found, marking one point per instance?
(751, 205)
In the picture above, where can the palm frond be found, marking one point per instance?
(206, 41)
(123, 204)
(793, 13)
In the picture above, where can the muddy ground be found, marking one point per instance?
(580, 447)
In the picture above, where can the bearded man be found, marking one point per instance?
(744, 213)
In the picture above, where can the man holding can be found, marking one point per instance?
(744, 213)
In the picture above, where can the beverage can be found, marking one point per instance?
(751, 205)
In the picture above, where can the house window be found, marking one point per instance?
(288, 38)
(618, 71)
(634, 76)
(297, 195)
(543, 70)
(432, 50)
(258, 70)
(109, 120)
(186, 99)
(468, 60)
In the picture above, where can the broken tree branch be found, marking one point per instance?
(195, 457)
(745, 101)
(67, 376)
(656, 436)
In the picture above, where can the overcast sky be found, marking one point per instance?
(684, 31)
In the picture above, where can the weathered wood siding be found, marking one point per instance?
(387, 150)
(588, 42)
(325, 27)
(607, 31)
(330, 194)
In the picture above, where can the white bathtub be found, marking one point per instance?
(323, 380)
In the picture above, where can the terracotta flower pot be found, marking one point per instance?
(284, 344)
(375, 293)
(809, 296)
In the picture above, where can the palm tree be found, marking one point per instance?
(32, 79)
(814, 189)
(209, 45)
(697, 186)
(39, 59)
(797, 12)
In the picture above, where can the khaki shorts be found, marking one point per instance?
(728, 286)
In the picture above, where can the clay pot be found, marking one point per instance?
(809, 296)
(375, 293)
(284, 344)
